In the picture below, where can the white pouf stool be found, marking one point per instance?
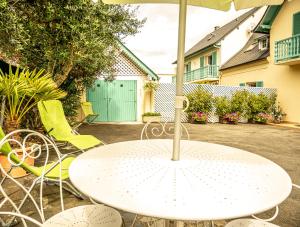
(86, 216)
(248, 222)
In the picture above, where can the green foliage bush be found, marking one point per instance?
(239, 102)
(260, 103)
(151, 114)
(200, 101)
(151, 86)
(242, 104)
(222, 105)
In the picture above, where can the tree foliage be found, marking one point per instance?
(62, 35)
(73, 40)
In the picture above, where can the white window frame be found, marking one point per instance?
(263, 44)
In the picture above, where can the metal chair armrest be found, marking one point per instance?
(269, 219)
(296, 186)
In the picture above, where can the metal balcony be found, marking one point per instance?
(287, 51)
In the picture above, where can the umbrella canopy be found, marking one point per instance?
(223, 5)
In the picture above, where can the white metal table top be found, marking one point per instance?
(209, 182)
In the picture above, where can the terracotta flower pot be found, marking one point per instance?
(16, 172)
(151, 119)
(222, 120)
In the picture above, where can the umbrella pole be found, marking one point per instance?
(179, 79)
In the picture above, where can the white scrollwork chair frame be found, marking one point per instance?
(154, 130)
(42, 151)
(256, 221)
(35, 152)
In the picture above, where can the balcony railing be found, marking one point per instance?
(287, 49)
(209, 72)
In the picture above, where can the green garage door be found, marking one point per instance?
(114, 101)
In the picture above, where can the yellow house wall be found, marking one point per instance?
(286, 79)
(195, 61)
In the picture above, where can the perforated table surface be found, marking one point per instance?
(209, 182)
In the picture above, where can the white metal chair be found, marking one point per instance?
(255, 221)
(249, 222)
(162, 130)
(12, 204)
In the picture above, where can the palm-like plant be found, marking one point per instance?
(23, 89)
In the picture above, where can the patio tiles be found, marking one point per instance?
(279, 144)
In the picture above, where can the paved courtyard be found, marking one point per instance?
(279, 144)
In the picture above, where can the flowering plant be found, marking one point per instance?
(198, 117)
(232, 117)
(262, 118)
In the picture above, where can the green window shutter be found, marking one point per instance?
(296, 23)
(188, 67)
(259, 84)
(202, 61)
(214, 58)
(242, 84)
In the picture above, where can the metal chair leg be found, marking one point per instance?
(134, 220)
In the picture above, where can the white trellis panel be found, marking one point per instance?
(165, 97)
(125, 67)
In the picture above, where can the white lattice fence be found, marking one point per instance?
(165, 97)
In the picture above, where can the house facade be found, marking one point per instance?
(123, 99)
(279, 66)
(203, 60)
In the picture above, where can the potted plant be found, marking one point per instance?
(22, 90)
(151, 86)
(201, 103)
(151, 117)
(278, 114)
(232, 118)
(16, 172)
(259, 107)
(198, 118)
(276, 110)
(222, 105)
(262, 118)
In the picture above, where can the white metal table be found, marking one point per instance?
(209, 182)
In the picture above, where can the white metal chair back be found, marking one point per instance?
(162, 130)
(40, 152)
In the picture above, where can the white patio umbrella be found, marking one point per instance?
(223, 5)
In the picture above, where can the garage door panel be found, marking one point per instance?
(115, 101)
(122, 95)
(97, 95)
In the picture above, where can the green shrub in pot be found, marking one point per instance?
(151, 117)
(257, 104)
(239, 103)
(201, 101)
(222, 105)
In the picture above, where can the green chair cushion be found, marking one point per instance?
(83, 141)
(5, 149)
(37, 171)
(54, 173)
(87, 108)
(53, 118)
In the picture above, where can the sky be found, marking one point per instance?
(156, 43)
